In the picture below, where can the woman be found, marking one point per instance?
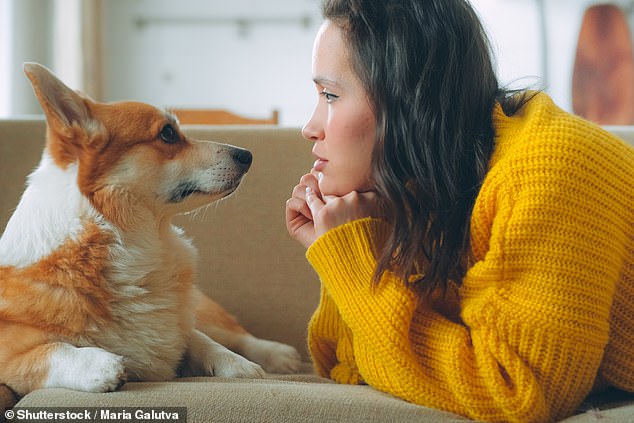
(475, 246)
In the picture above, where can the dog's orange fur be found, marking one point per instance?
(22, 356)
(62, 293)
(209, 312)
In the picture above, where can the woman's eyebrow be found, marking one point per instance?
(324, 81)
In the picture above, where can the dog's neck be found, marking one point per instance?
(50, 211)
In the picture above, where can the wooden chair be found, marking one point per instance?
(220, 117)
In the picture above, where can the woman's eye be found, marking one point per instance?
(169, 135)
(328, 96)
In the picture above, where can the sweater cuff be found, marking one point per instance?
(347, 251)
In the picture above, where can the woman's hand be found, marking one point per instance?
(309, 214)
(299, 218)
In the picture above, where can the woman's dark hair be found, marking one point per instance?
(427, 68)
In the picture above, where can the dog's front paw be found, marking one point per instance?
(108, 374)
(207, 357)
(229, 364)
(274, 357)
(87, 369)
(104, 371)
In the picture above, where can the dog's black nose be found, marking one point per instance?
(243, 157)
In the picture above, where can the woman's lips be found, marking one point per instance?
(320, 165)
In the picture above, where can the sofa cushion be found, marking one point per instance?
(297, 398)
(289, 398)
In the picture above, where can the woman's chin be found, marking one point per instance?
(333, 186)
(327, 190)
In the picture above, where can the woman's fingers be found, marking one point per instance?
(315, 203)
(332, 211)
(310, 180)
(299, 216)
(309, 214)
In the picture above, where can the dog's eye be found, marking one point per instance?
(169, 135)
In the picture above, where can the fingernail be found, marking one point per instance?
(308, 191)
(320, 176)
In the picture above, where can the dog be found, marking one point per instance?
(96, 283)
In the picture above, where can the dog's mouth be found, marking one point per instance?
(184, 191)
(187, 189)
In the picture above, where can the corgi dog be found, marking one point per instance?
(96, 283)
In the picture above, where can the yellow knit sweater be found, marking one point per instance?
(546, 308)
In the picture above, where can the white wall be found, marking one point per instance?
(5, 54)
(214, 65)
(199, 65)
(43, 31)
(30, 41)
(252, 71)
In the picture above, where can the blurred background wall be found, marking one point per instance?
(248, 56)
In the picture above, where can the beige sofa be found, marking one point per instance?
(250, 265)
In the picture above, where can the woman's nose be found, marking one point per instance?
(313, 130)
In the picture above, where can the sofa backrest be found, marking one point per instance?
(248, 263)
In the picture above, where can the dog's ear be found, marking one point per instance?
(63, 107)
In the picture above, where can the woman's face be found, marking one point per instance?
(342, 126)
